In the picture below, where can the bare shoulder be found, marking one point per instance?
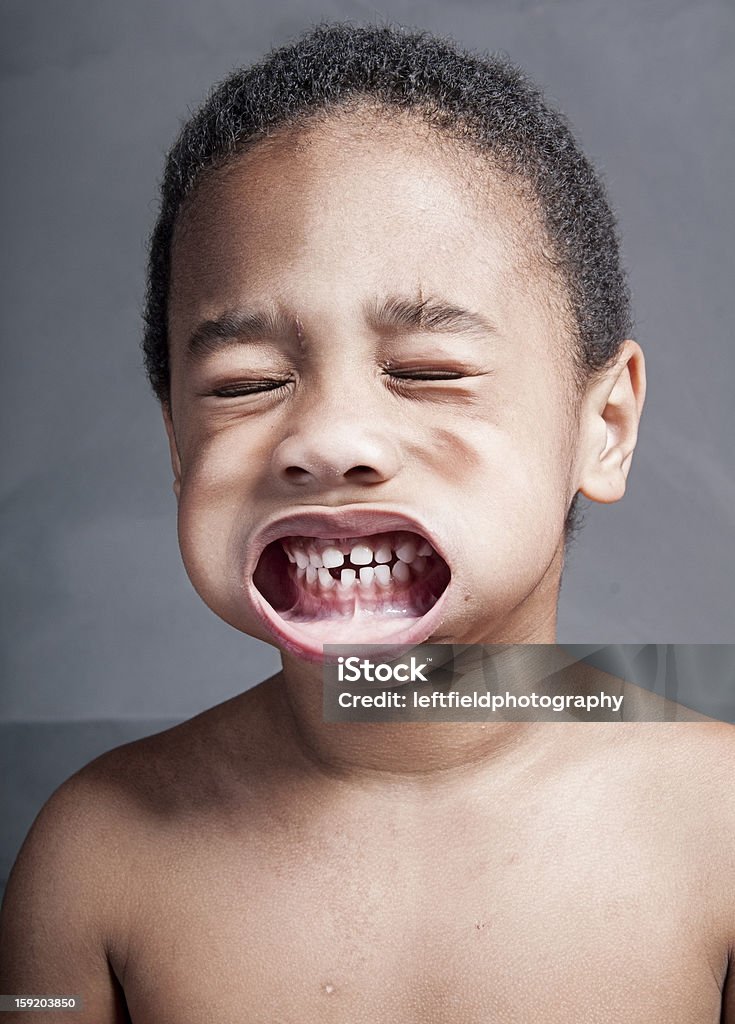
(64, 912)
(692, 761)
(194, 764)
(107, 806)
(672, 783)
(73, 870)
(84, 868)
(683, 756)
(707, 751)
(684, 775)
(72, 837)
(97, 846)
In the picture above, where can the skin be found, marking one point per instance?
(258, 864)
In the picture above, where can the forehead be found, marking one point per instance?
(343, 213)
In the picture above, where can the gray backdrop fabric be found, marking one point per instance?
(99, 620)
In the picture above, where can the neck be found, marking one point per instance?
(418, 749)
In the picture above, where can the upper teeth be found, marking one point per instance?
(361, 554)
(383, 554)
(406, 552)
(332, 558)
(314, 558)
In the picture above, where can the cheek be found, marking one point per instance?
(453, 456)
(219, 463)
(515, 454)
(218, 478)
(213, 527)
(510, 475)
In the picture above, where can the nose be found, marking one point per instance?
(343, 443)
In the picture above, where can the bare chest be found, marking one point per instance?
(460, 932)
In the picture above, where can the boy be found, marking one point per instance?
(389, 332)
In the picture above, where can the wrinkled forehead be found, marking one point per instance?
(363, 204)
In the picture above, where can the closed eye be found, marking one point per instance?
(254, 387)
(425, 374)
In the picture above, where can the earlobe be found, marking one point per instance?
(611, 413)
(173, 447)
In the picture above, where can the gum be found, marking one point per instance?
(411, 599)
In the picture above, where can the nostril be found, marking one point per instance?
(297, 474)
(301, 475)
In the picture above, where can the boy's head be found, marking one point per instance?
(386, 316)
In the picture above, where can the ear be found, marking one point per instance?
(611, 411)
(173, 447)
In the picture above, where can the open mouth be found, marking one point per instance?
(363, 589)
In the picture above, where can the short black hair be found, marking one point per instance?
(480, 100)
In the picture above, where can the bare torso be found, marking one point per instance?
(221, 875)
(585, 885)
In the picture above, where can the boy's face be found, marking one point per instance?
(336, 433)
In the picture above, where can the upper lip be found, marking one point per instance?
(345, 521)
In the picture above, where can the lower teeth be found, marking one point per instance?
(382, 575)
(347, 577)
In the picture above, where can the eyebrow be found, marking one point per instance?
(432, 315)
(238, 326)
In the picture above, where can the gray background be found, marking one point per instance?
(99, 623)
